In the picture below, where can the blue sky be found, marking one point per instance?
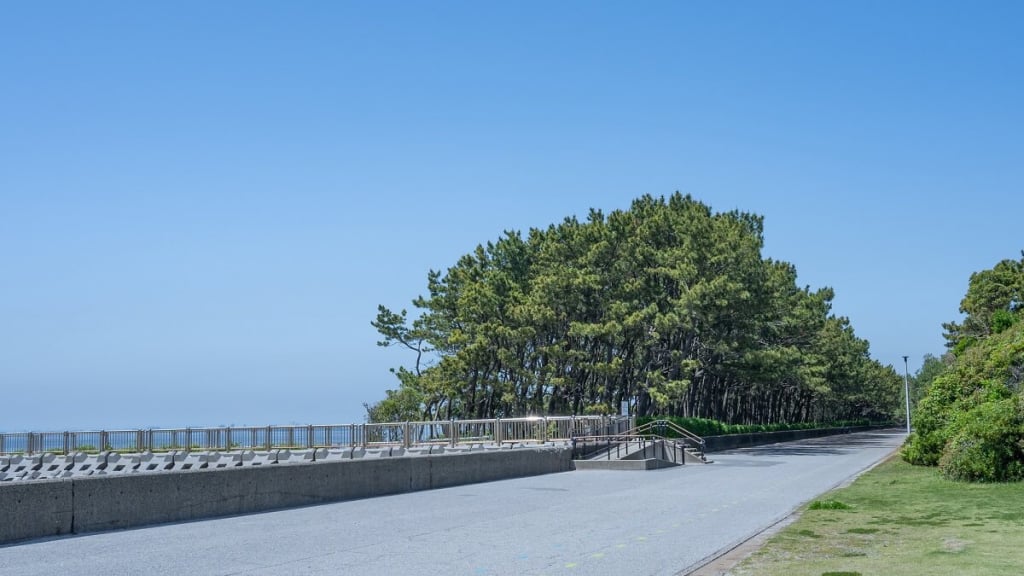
(202, 204)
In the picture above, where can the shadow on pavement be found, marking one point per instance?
(838, 444)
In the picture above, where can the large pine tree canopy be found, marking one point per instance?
(667, 305)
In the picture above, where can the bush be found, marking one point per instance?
(984, 373)
(987, 443)
(708, 427)
(924, 446)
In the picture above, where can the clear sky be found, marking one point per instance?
(203, 203)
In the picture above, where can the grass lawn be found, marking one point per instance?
(901, 519)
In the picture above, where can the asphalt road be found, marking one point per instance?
(594, 522)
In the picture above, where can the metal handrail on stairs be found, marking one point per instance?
(660, 427)
(603, 446)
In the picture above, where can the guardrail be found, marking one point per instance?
(537, 429)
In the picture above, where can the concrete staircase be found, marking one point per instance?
(640, 449)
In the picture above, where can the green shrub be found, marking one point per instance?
(987, 443)
(982, 374)
(708, 427)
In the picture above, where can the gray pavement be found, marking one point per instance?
(592, 522)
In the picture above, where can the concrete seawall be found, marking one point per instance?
(43, 508)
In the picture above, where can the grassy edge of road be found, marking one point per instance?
(898, 519)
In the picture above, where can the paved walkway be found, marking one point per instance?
(586, 522)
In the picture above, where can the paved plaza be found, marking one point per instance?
(593, 522)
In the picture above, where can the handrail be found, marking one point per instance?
(618, 439)
(662, 424)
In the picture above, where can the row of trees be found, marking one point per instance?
(668, 306)
(970, 422)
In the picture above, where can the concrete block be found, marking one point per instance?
(335, 454)
(261, 458)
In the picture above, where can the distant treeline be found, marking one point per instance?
(668, 306)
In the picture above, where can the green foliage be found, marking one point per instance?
(402, 405)
(988, 372)
(667, 305)
(987, 443)
(993, 297)
(931, 368)
(971, 422)
(828, 505)
(709, 427)
(1001, 320)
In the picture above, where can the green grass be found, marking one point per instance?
(901, 520)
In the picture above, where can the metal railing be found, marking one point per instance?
(669, 429)
(657, 433)
(537, 429)
(615, 447)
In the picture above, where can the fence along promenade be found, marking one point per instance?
(536, 429)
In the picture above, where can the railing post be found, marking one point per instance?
(268, 441)
(453, 433)
(498, 432)
(309, 437)
(67, 438)
(544, 429)
(406, 436)
(362, 428)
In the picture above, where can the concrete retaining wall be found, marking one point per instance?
(42, 508)
(34, 510)
(733, 441)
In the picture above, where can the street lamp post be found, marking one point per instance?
(906, 389)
